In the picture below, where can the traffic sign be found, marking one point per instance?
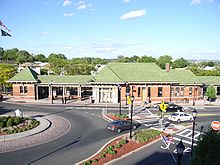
(215, 125)
(163, 107)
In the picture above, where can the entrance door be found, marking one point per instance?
(43, 92)
(105, 95)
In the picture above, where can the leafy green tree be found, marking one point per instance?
(7, 72)
(147, 59)
(40, 57)
(1, 53)
(211, 92)
(207, 150)
(120, 58)
(180, 63)
(162, 60)
(10, 54)
(55, 56)
(23, 56)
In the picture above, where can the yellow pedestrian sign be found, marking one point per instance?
(129, 100)
(163, 107)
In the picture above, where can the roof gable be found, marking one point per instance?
(25, 75)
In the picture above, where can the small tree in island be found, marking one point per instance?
(211, 93)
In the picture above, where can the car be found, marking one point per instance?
(180, 116)
(171, 107)
(121, 125)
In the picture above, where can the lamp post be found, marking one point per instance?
(180, 149)
(132, 105)
(119, 96)
(194, 118)
(51, 83)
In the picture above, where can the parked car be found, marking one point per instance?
(180, 116)
(121, 125)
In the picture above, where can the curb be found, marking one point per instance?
(43, 126)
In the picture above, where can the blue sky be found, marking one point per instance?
(108, 28)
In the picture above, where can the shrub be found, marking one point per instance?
(112, 152)
(122, 141)
(109, 148)
(117, 146)
(211, 92)
(9, 122)
(17, 120)
(146, 135)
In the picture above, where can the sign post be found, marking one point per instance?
(163, 108)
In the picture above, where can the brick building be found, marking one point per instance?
(146, 81)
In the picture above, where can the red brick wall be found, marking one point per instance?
(30, 91)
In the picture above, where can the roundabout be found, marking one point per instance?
(50, 128)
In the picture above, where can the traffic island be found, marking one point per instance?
(122, 146)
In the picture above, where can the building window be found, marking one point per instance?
(190, 91)
(149, 92)
(160, 91)
(182, 91)
(177, 92)
(23, 89)
(172, 91)
(139, 91)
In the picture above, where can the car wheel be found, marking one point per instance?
(178, 121)
(134, 126)
(118, 130)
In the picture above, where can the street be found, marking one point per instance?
(88, 134)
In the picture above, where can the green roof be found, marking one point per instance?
(26, 75)
(143, 72)
(210, 80)
(78, 79)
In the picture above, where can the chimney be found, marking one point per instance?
(167, 67)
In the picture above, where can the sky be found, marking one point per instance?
(109, 28)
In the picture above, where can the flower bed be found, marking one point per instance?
(118, 117)
(10, 125)
(122, 146)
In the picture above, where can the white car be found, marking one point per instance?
(180, 116)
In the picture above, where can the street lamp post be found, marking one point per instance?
(194, 118)
(180, 149)
(119, 95)
(132, 105)
(51, 83)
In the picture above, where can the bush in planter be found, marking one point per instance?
(17, 120)
(211, 93)
(10, 122)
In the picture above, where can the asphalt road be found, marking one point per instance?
(86, 136)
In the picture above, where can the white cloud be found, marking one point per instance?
(46, 33)
(68, 14)
(134, 14)
(83, 5)
(195, 2)
(126, 1)
(67, 2)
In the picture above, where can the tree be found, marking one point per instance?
(162, 60)
(207, 150)
(55, 56)
(10, 54)
(180, 63)
(211, 92)
(1, 53)
(23, 56)
(40, 57)
(147, 59)
(7, 72)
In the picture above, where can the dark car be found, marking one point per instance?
(171, 107)
(121, 125)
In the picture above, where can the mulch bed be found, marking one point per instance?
(126, 148)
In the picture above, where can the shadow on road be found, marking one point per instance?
(75, 141)
(4, 110)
